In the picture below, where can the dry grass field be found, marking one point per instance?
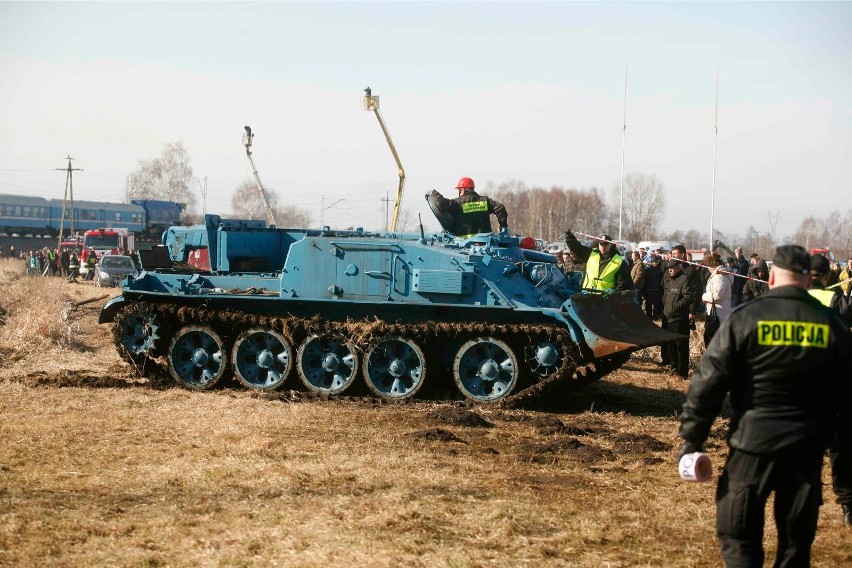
(99, 468)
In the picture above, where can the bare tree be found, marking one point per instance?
(692, 239)
(546, 213)
(246, 203)
(834, 232)
(644, 205)
(292, 216)
(407, 221)
(167, 177)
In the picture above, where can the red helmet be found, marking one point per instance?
(465, 183)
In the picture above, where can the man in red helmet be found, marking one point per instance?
(471, 212)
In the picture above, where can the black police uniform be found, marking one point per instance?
(472, 213)
(787, 363)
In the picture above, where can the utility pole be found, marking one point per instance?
(69, 189)
(203, 197)
(773, 222)
(323, 209)
(715, 137)
(386, 209)
(623, 144)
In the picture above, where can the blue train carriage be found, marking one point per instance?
(25, 215)
(38, 216)
(160, 215)
(89, 215)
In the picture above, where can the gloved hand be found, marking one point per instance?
(688, 448)
(569, 236)
(504, 231)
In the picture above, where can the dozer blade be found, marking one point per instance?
(615, 322)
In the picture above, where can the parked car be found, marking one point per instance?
(112, 268)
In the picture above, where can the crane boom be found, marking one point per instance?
(369, 102)
(270, 216)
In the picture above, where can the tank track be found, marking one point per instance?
(531, 390)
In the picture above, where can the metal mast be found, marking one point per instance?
(623, 144)
(270, 217)
(369, 102)
(715, 137)
(69, 188)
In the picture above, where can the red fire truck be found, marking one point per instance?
(826, 252)
(112, 240)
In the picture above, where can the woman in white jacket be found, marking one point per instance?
(719, 287)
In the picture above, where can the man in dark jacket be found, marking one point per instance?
(694, 279)
(758, 285)
(733, 267)
(605, 268)
(743, 264)
(653, 289)
(786, 362)
(678, 298)
(471, 212)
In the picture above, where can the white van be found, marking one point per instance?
(654, 245)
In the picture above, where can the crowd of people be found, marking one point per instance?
(782, 355)
(65, 263)
(675, 290)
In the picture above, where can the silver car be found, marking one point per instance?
(112, 268)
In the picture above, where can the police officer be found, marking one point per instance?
(605, 268)
(841, 462)
(786, 362)
(471, 212)
(831, 298)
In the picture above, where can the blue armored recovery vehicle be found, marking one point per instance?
(389, 312)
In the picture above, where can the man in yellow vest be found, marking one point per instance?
(605, 268)
(470, 211)
(831, 298)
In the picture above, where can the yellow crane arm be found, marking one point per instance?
(372, 103)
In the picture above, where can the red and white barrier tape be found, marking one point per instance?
(682, 261)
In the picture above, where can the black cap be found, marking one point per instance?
(819, 265)
(672, 262)
(604, 239)
(793, 258)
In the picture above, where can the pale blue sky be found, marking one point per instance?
(495, 91)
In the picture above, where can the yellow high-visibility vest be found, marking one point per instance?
(824, 296)
(604, 280)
